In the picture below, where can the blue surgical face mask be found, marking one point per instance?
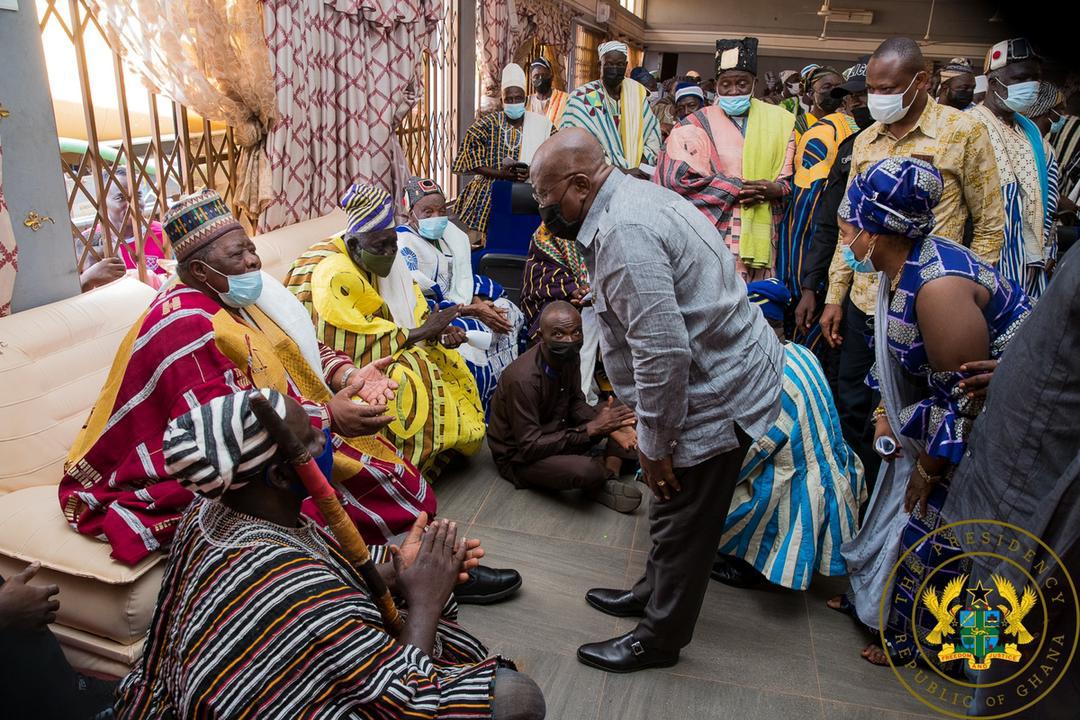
(734, 105)
(866, 265)
(1021, 96)
(1055, 127)
(433, 228)
(514, 111)
(244, 289)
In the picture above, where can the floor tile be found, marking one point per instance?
(571, 690)
(744, 636)
(549, 612)
(461, 491)
(653, 694)
(848, 711)
(565, 515)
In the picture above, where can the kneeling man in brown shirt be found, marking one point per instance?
(541, 430)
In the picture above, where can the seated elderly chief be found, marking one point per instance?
(542, 430)
(262, 615)
(439, 257)
(365, 302)
(225, 326)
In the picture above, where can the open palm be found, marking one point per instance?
(378, 388)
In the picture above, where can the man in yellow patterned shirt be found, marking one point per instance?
(909, 123)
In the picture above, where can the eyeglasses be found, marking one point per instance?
(557, 184)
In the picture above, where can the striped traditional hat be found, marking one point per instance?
(196, 221)
(216, 445)
(369, 208)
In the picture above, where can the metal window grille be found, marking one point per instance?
(428, 134)
(586, 57)
(164, 149)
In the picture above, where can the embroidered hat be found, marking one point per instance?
(737, 55)
(197, 220)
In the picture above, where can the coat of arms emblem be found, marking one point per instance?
(982, 628)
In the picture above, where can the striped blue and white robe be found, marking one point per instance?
(800, 487)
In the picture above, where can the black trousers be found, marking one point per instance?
(685, 533)
(855, 401)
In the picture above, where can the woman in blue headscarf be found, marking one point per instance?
(940, 310)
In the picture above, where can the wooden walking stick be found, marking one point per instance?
(326, 499)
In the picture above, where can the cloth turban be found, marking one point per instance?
(513, 76)
(771, 296)
(369, 208)
(640, 74)
(197, 220)
(613, 46)
(956, 68)
(1049, 96)
(217, 445)
(418, 188)
(684, 89)
(787, 75)
(737, 55)
(894, 196)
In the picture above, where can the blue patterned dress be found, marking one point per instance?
(943, 418)
(939, 421)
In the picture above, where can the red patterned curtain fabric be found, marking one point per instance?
(346, 73)
(503, 25)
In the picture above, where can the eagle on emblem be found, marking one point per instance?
(939, 608)
(1017, 609)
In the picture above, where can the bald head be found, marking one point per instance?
(560, 333)
(903, 50)
(566, 173)
(567, 152)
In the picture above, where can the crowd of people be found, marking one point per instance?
(779, 310)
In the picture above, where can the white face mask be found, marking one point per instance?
(887, 109)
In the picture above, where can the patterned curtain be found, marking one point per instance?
(9, 253)
(347, 73)
(208, 55)
(503, 25)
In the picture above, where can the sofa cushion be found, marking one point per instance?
(90, 653)
(97, 594)
(279, 248)
(53, 362)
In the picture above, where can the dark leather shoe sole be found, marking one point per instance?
(615, 613)
(490, 598)
(638, 665)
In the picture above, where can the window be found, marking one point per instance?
(120, 145)
(428, 134)
(637, 7)
(586, 58)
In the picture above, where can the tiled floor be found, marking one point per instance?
(757, 654)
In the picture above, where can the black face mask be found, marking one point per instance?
(565, 352)
(960, 99)
(829, 104)
(862, 117)
(556, 223)
(543, 85)
(613, 74)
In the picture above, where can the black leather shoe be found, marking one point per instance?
(487, 585)
(620, 603)
(625, 654)
(736, 572)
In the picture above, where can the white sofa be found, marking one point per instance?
(53, 362)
